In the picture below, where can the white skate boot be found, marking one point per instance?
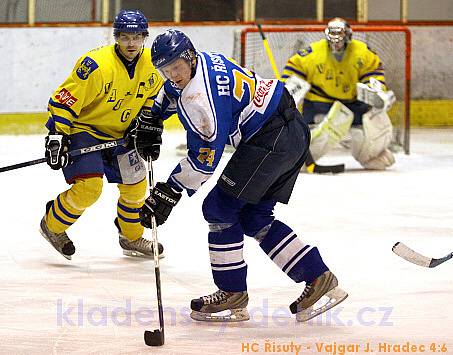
(140, 248)
(60, 242)
(324, 285)
(207, 308)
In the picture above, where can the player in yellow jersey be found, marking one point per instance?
(342, 84)
(108, 87)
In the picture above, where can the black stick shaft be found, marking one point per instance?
(22, 165)
(72, 153)
(156, 255)
(159, 299)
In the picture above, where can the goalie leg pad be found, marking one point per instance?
(369, 145)
(331, 130)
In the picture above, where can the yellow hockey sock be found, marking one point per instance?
(69, 205)
(129, 204)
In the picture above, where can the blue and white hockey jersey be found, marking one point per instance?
(222, 104)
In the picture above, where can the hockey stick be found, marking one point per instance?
(72, 153)
(157, 336)
(312, 167)
(268, 52)
(310, 164)
(413, 257)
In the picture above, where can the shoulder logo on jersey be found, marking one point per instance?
(304, 52)
(86, 67)
(66, 98)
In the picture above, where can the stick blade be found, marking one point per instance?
(154, 338)
(403, 251)
(329, 169)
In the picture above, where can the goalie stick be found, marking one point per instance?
(72, 153)
(312, 167)
(157, 336)
(403, 251)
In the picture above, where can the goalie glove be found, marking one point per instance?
(160, 204)
(57, 148)
(297, 87)
(145, 135)
(374, 96)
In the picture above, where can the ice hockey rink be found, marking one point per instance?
(102, 301)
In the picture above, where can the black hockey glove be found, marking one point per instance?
(145, 134)
(57, 148)
(159, 204)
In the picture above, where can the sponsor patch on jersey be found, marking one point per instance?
(85, 68)
(305, 51)
(65, 97)
(261, 92)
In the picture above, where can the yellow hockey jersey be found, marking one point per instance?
(330, 79)
(103, 95)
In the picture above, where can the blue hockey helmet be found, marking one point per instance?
(130, 21)
(171, 45)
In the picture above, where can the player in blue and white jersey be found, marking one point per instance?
(220, 103)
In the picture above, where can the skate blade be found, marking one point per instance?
(68, 257)
(236, 315)
(336, 296)
(137, 254)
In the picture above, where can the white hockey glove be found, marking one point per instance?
(374, 95)
(297, 87)
(57, 148)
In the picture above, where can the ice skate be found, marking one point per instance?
(60, 242)
(139, 248)
(306, 307)
(215, 307)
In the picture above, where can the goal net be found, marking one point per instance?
(392, 43)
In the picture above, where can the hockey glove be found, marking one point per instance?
(162, 200)
(145, 134)
(57, 148)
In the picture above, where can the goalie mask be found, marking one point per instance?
(338, 34)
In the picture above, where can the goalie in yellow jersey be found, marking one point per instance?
(108, 96)
(341, 82)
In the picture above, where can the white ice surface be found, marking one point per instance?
(95, 303)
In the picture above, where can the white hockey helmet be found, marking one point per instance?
(338, 34)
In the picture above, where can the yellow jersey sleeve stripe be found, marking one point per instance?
(298, 72)
(372, 73)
